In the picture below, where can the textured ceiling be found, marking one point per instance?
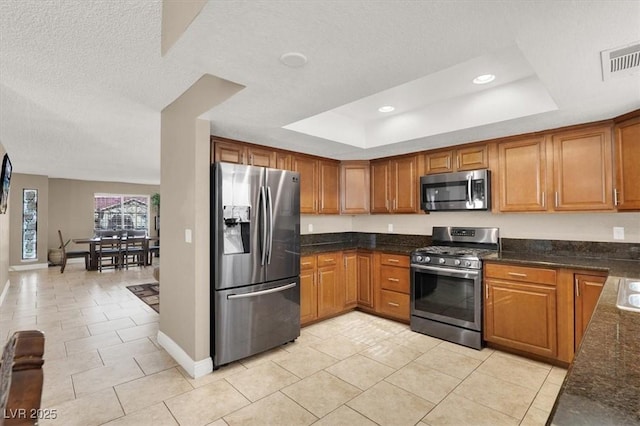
(82, 83)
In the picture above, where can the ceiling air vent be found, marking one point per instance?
(620, 62)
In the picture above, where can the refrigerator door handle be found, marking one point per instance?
(261, 292)
(270, 211)
(263, 241)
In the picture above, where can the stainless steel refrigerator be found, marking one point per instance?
(255, 260)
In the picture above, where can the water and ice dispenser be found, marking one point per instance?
(236, 229)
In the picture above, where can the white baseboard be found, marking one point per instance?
(195, 369)
(28, 266)
(4, 292)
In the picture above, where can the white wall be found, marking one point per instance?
(549, 226)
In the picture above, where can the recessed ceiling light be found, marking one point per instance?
(484, 79)
(293, 59)
(386, 108)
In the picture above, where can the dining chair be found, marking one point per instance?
(109, 254)
(133, 251)
(71, 254)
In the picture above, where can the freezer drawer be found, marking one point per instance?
(252, 319)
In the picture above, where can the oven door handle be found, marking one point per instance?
(450, 270)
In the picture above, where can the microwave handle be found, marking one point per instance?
(469, 195)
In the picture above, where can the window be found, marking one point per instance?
(29, 224)
(120, 212)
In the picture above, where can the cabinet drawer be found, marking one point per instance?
(394, 259)
(307, 262)
(521, 273)
(394, 303)
(327, 259)
(395, 279)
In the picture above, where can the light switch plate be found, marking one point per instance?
(390, 227)
(187, 235)
(618, 233)
(310, 227)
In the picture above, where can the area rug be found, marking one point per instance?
(148, 293)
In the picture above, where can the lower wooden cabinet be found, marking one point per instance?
(365, 281)
(329, 278)
(308, 291)
(321, 283)
(540, 311)
(392, 283)
(522, 316)
(587, 292)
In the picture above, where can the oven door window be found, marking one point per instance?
(447, 299)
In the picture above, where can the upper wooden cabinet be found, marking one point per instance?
(394, 185)
(582, 170)
(468, 158)
(354, 184)
(565, 171)
(627, 155)
(319, 184)
(229, 151)
(521, 180)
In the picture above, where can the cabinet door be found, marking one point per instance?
(329, 187)
(439, 162)
(308, 296)
(582, 170)
(380, 187)
(354, 188)
(587, 292)
(521, 178)
(261, 157)
(627, 161)
(404, 185)
(229, 152)
(283, 161)
(472, 158)
(328, 295)
(350, 279)
(308, 169)
(365, 283)
(521, 316)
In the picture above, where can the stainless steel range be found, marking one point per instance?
(446, 284)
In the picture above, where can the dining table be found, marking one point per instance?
(93, 249)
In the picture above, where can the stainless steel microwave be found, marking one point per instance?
(456, 191)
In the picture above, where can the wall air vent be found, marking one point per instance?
(621, 61)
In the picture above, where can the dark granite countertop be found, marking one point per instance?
(603, 383)
(325, 248)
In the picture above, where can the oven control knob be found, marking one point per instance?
(467, 263)
(441, 261)
(427, 259)
(456, 262)
(419, 258)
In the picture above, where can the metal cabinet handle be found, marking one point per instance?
(261, 293)
(306, 263)
(556, 200)
(393, 260)
(516, 274)
(457, 161)
(448, 162)
(486, 292)
(615, 197)
(577, 288)
(544, 199)
(395, 280)
(393, 304)
(329, 260)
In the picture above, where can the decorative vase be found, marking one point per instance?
(55, 256)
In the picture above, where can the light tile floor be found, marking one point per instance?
(103, 365)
